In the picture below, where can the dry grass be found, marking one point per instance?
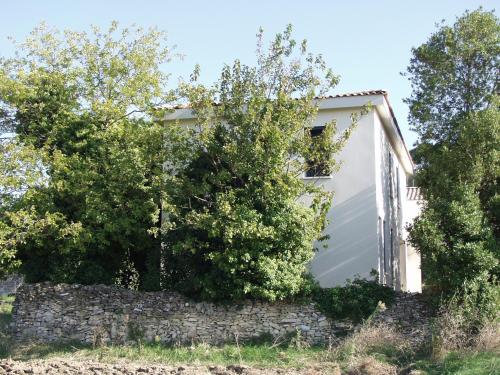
(371, 338)
(451, 333)
(455, 331)
(371, 366)
(370, 350)
(488, 338)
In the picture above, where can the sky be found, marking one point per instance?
(368, 43)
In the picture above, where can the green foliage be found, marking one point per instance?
(5, 319)
(484, 363)
(21, 170)
(357, 300)
(81, 183)
(454, 72)
(471, 161)
(237, 227)
(468, 320)
(455, 242)
(454, 109)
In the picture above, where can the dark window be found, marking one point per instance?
(317, 166)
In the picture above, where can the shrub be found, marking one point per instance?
(455, 241)
(357, 300)
(237, 227)
(468, 320)
(80, 184)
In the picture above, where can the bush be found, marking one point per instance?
(81, 183)
(468, 321)
(357, 300)
(238, 226)
(455, 241)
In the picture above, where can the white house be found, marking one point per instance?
(371, 206)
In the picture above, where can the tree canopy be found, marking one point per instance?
(454, 109)
(86, 212)
(92, 164)
(242, 219)
(455, 72)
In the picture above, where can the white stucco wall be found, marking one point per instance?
(390, 200)
(367, 221)
(352, 248)
(413, 270)
(401, 269)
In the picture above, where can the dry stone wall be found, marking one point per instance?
(10, 284)
(106, 314)
(411, 315)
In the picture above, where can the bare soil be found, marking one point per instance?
(70, 367)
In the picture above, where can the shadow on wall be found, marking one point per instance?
(353, 245)
(10, 284)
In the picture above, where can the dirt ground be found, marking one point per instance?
(70, 367)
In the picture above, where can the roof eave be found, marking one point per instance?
(395, 135)
(377, 98)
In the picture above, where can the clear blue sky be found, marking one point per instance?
(367, 42)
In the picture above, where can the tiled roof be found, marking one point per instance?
(358, 93)
(413, 194)
(345, 95)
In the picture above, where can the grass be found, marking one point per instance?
(483, 363)
(5, 310)
(5, 318)
(372, 346)
(262, 355)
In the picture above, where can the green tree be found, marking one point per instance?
(242, 221)
(454, 109)
(83, 105)
(21, 169)
(452, 74)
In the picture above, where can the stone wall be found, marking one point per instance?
(410, 314)
(10, 284)
(105, 314)
(46, 312)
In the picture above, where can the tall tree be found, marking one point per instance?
(85, 103)
(452, 74)
(240, 225)
(454, 109)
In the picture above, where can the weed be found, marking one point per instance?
(135, 333)
(99, 337)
